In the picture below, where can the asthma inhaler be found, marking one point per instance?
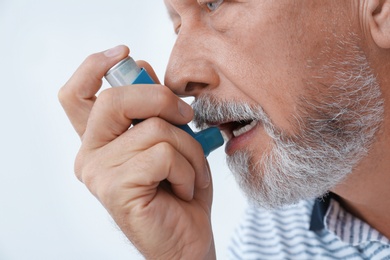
(127, 72)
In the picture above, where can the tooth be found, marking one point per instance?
(244, 129)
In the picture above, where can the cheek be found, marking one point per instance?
(271, 60)
(268, 72)
(273, 64)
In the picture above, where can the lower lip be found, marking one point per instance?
(240, 142)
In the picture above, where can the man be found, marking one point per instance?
(300, 89)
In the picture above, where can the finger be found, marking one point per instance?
(173, 167)
(149, 69)
(140, 183)
(150, 133)
(115, 108)
(77, 96)
(204, 194)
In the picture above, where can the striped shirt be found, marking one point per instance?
(309, 230)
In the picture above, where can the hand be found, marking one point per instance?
(152, 178)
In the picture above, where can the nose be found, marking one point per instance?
(191, 69)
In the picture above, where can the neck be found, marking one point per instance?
(365, 192)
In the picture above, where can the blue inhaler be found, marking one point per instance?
(127, 72)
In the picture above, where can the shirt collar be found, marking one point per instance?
(328, 214)
(319, 211)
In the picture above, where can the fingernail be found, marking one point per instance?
(185, 109)
(114, 51)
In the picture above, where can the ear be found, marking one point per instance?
(379, 22)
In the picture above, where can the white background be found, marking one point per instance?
(45, 213)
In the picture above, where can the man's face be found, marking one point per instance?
(289, 84)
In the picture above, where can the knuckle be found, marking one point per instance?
(79, 165)
(61, 94)
(164, 96)
(89, 171)
(95, 61)
(85, 170)
(92, 58)
(105, 94)
(108, 193)
(156, 126)
(88, 177)
(159, 127)
(164, 149)
(64, 95)
(107, 98)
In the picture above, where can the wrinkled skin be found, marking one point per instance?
(153, 178)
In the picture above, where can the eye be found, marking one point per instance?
(211, 5)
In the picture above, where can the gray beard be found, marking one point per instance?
(335, 128)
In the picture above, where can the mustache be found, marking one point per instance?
(209, 111)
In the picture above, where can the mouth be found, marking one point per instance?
(236, 129)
